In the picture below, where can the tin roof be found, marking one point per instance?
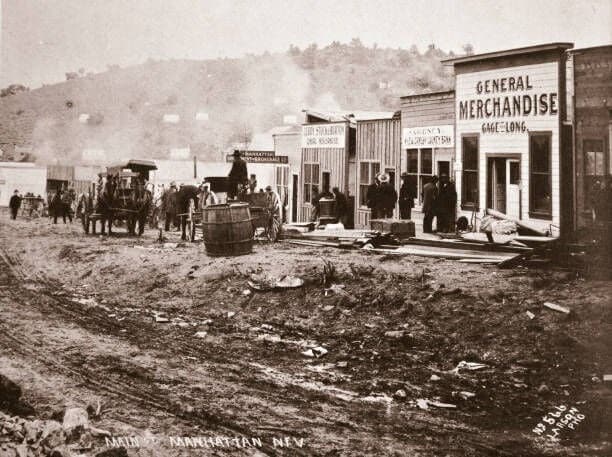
(350, 116)
(429, 94)
(592, 48)
(509, 52)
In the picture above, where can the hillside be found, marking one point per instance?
(235, 98)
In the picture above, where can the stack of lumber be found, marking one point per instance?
(462, 250)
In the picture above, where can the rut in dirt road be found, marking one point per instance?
(337, 423)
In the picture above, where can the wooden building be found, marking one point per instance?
(328, 157)
(287, 142)
(378, 150)
(428, 138)
(592, 75)
(514, 145)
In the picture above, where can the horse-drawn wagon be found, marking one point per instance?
(120, 195)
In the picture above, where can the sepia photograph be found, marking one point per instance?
(334, 228)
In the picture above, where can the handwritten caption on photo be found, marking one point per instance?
(558, 420)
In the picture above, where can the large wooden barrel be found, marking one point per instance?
(227, 229)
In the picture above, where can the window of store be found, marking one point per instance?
(594, 170)
(282, 183)
(367, 172)
(540, 182)
(311, 181)
(469, 176)
(419, 169)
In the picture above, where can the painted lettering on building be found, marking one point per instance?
(435, 136)
(324, 136)
(506, 103)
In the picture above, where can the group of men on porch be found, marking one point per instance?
(438, 196)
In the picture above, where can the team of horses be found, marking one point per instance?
(113, 201)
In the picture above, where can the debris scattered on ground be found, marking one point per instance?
(401, 393)
(272, 338)
(160, 318)
(422, 403)
(48, 438)
(466, 395)
(231, 314)
(555, 307)
(439, 404)
(75, 417)
(201, 334)
(263, 282)
(530, 315)
(395, 334)
(434, 377)
(315, 352)
(377, 398)
(463, 365)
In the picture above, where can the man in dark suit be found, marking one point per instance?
(373, 198)
(238, 176)
(406, 198)
(341, 206)
(430, 195)
(14, 204)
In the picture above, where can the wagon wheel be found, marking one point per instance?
(191, 226)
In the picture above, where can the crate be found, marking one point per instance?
(398, 227)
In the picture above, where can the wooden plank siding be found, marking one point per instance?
(593, 119)
(377, 141)
(428, 110)
(331, 160)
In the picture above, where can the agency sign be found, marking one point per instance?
(326, 136)
(436, 136)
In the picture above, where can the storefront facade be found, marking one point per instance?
(511, 143)
(428, 138)
(328, 158)
(378, 150)
(592, 75)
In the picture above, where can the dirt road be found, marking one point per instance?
(175, 344)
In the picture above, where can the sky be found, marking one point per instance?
(41, 40)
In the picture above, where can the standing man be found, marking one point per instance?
(406, 198)
(15, 204)
(238, 175)
(341, 206)
(388, 197)
(58, 206)
(273, 204)
(169, 205)
(207, 197)
(67, 204)
(446, 206)
(430, 196)
(373, 198)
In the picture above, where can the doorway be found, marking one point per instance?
(326, 180)
(444, 168)
(294, 198)
(503, 185)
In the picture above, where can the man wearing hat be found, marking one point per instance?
(373, 198)
(169, 206)
(388, 196)
(15, 204)
(406, 198)
(273, 204)
(430, 197)
(238, 175)
(207, 197)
